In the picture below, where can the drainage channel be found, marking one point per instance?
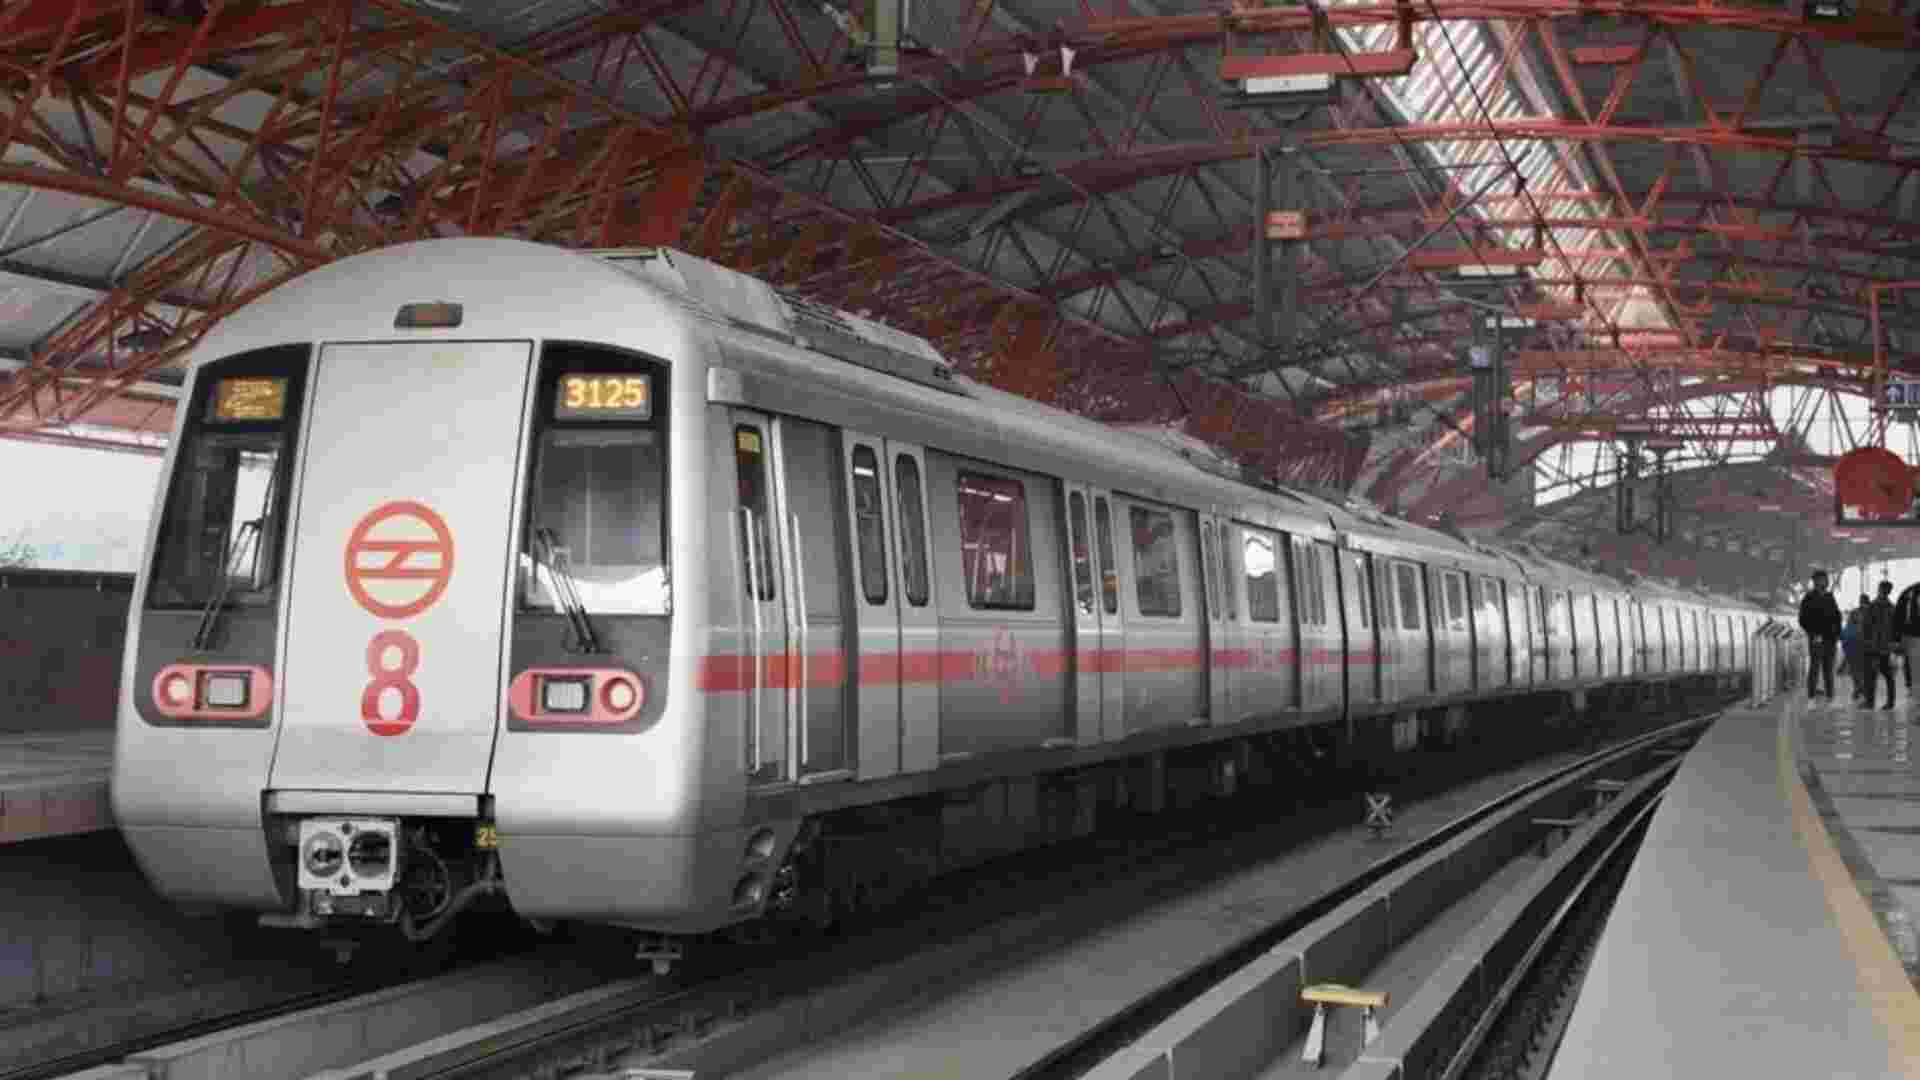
(729, 1025)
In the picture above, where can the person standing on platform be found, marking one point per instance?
(1850, 647)
(1820, 619)
(1906, 616)
(1878, 638)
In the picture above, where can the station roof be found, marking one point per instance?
(1695, 202)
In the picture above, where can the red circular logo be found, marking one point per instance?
(399, 560)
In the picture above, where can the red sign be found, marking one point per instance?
(399, 560)
(403, 552)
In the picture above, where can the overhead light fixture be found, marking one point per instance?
(145, 339)
(1482, 270)
(1249, 89)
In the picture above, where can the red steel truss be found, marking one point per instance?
(361, 92)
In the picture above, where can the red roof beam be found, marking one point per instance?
(1454, 260)
(1604, 54)
(1551, 311)
(156, 51)
(1367, 65)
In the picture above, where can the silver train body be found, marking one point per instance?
(597, 580)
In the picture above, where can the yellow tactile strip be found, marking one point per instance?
(1882, 980)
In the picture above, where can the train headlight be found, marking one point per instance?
(620, 695)
(227, 689)
(563, 695)
(176, 690)
(323, 854)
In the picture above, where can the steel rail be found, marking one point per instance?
(1096, 1044)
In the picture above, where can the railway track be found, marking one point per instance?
(767, 995)
(720, 1024)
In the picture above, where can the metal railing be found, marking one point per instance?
(1777, 657)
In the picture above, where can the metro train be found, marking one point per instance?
(621, 587)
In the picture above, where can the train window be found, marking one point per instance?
(598, 495)
(995, 555)
(1363, 581)
(1311, 590)
(913, 529)
(1109, 567)
(1212, 547)
(1156, 561)
(1263, 576)
(870, 524)
(750, 464)
(1456, 590)
(1082, 552)
(1489, 598)
(1229, 566)
(601, 494)
(1407, 583)
(221, 525)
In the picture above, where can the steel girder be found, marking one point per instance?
(371, 138)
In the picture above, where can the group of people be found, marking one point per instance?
(1868, 638)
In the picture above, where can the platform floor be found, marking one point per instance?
(54, 784)
(1743, 942)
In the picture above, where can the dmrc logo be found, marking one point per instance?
(1002, 665)
(399, 560)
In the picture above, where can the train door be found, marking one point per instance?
(1223, 644)
(1491, 664)
(1113, 637)
(1366, 644)
(1085, 574)
(919, 668)
(894, 663)
(768, 647)
(1519, 641)
(1316, 640)
(1537, 636)
(398, 657)
(1408, 624)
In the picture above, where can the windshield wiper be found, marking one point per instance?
(249, 533)
(565, 593)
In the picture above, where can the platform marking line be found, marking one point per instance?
(1882, 978)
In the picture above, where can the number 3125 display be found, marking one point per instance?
(603, 397)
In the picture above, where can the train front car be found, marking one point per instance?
(412, 630)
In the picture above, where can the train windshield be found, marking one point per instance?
(221, 526)
(599, 489)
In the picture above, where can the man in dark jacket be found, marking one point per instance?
(1878, 639)
(1820, 618)
(1906, 619)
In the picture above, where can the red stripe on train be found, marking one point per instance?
(724, 672)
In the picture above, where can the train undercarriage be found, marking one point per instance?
(362, 878)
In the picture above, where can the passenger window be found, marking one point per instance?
(870, 525)
(1490, 600)
(1229, 591)
(1109, 566)
(913, 529)
(1211, 546)
(1407, 579)
(995, 555)
(1263, 577)
(1329, 577)
(1082, 554)
(1363, 577)
(1313, 587)
(750, 461)
(1156, 561)
(1456, 591)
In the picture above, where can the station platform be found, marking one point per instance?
(54, 783)
(1763, 927)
